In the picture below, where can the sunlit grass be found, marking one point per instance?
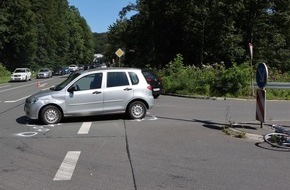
(4, 79)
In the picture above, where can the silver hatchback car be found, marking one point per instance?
(94, 92)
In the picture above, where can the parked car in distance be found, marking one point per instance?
(73, 68)
(93, 92)
(87, 67)
(44, 73)
(21, 74)
(58, 71)
(154, 81)
(66, 70)
(81, 67)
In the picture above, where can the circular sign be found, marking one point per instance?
(262, 75)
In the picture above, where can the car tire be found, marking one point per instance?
(156, 96)
(50, 115)
(137, 110)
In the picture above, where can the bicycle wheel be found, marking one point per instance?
(278, 140)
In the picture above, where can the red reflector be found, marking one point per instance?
(150, 87)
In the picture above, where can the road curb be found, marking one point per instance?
(248, 136)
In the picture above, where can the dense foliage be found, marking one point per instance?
(100, 42)
(38, 33)
(216, 80)
(199, 47)
(204, 32)
(209, 81)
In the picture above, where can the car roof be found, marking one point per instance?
(111, 69)
(21, 68)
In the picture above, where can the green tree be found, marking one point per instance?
(206, 32)
(18, 33)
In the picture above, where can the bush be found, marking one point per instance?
(235, 81)
(3, 71)
(207, 81)
(4, 74)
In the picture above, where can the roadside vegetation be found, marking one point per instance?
(209, 81)
(199, 48)
(4, 74)
(217, 80)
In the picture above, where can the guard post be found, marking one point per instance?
(261, 79)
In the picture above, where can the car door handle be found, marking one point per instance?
(96, 92)
(127, 89)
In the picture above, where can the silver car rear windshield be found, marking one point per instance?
(65, 82)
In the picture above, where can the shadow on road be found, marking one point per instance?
(206, 123)
(266, 146)
(24, 120)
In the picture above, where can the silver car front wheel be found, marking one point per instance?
(50, 115)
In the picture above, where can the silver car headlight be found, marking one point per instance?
(33, 101)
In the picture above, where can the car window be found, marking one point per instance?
(148, 74)
(134, 78)
(65, 82)
(19, 71)
(117, 79)
(97, 81)
(92, 81)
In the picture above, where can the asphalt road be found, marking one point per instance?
(179, 145)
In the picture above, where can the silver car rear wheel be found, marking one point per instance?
(137, 110)
(50, 115)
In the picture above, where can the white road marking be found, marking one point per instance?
(85, 128)
(67, 167)
(17, 87)
(34, 83)
(4, 86)
(12, 101)
(27, 134)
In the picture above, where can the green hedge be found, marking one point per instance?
(4, 74)
(216, 80)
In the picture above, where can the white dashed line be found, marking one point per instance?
(67, 167)
(85, 128)
(12, 101)
(4, 86)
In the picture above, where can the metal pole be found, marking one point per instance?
(252, 83)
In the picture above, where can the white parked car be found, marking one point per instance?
(73, 68)
(21, 74)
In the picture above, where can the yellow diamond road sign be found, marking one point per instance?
(119, 52)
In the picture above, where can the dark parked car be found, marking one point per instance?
(154, 81)
(58, 71)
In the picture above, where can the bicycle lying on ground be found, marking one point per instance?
(280, 137)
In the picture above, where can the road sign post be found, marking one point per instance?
(261, 79)
(119, 53)
(261, 106)
(251, 47)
